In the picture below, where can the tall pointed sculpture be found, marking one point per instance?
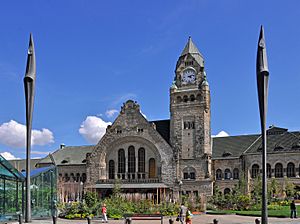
(262, 75)
(29, 84)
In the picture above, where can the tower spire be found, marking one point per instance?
(191, 49)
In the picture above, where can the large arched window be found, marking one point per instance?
(236, 173)
(290, 171)
(227, 174)
(255, 170)
(131, 159)
(121, 163)
(278, 170)
(219, 174)
(83, 177)
(111, 169)
(189, 173)
(152, 168)
(141, 160)
(269, 171)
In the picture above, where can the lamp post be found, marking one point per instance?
(179, 184)
(262, 75)
(29, 85)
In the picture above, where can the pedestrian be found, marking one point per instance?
(104, 211)
(182, 213)
(293, 209)
(188, 216)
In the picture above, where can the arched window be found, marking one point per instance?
(77, 177)
(227, 174)
(72, 177)
(226, 191)
(121, 162)
(278, 170)
(219, 174)
(189, 173)
(141, 160)
(152, 168)
(83, 177)
(185, 99)
(67, 178)
(192, 97)
(236, 173)
(179, 100)
(290, 172)
(111, 169)
(269, 171)
(255, 171)
(131, 159)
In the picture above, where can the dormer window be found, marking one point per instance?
(140, 130)
(64, 161)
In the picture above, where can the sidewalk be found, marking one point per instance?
(198, 219)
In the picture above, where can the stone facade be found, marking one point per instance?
(161, 160)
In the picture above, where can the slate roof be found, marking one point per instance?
(163, 128)
(278, 140)
(232, 146)
(69, 155)
(190, 48)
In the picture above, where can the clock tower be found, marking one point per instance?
(190, 131)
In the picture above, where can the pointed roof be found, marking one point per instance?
(190, 48)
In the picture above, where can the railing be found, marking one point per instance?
(125, 181)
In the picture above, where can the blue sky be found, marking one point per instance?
(94, 55)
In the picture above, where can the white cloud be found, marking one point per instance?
(93, 128)
(111, 113)
(220, 134)
(33, 152)
(8, 156)
(13, 134)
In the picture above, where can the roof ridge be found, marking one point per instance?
(252, 144)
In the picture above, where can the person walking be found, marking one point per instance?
(188, 217)
(182, 213)
(293, 209)
(104, 211)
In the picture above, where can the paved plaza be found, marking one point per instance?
(199, 219)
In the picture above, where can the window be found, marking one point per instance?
(131, 159)
(291, 170)
(121, 162)
(152, 168)
(278, 170)
(188, 63)
(269, 170)
(77, 177)
(192, 97)
(185, 99)
(179, 100)
(255, 171)
(219, 174)
(189, 173)
(236, 173)
(83, 177)
(141, 160)
(227, 174)
(111, 169)
(67, 178)
(140, 130)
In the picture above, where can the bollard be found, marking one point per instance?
(215, 221)
(20, 218)
(257, 221)
(54, 219)
(89, 220)
(171, 221)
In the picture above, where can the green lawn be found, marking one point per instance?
(283, 212)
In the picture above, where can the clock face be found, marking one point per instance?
(188, 76)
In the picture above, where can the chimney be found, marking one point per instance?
(62, 145)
